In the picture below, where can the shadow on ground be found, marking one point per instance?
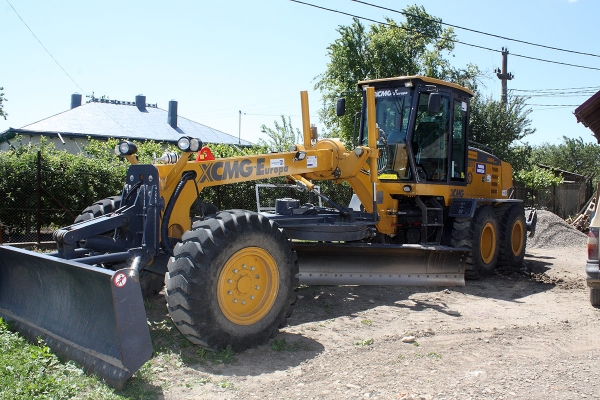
(320, 303)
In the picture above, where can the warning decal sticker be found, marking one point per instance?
(120, 280)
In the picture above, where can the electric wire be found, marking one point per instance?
(44, 47)
(553, 105)
(476, 31)
(548, 90)
(437, 37)
(65, 72)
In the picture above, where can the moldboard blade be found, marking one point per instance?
(380, 264)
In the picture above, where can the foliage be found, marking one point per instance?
(537, 178)
(416, 46)
(30, 371)
(364, 342)
(2, 100)
(519, 156)
(281, 137)
(498, 125)
(74, 182)
(573, 155)
(283, 345)
(70, 183)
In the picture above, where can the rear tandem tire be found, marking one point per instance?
(480, 234)
(595, 297)
(512, 234)
(232, 281)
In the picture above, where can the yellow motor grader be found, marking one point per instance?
(427, 210)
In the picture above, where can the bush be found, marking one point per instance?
(70, 183)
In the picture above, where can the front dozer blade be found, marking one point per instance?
(380, 264)
(93, 316)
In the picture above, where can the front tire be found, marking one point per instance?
(231, 281)
(100, 208)
(480, 234)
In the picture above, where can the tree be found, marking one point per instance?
(416, 46)
(2, 100)
(282, 137)
(573, 155)
(536, 178)
(498, 125)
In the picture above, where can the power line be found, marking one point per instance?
(585, 88)
(558, 95)
(476, 31)
(63, 70)
(554, 105)
(437, 37)
(44, 47)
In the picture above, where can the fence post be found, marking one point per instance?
(38, 216)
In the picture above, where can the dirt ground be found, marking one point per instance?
(527, 334)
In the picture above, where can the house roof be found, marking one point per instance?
(589, 114)
(102, 119)
(567, 176)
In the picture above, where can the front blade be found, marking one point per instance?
(93, 316)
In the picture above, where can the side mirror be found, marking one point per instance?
(340, 108)
(434, 103)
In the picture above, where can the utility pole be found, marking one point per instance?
(504, 75)
(240, 129)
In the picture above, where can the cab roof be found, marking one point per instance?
(425, 79)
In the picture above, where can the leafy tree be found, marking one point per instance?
(282, 137)
(519, 156)
(573, 155)
(416, 46)
(498, 125)
(537, 178)
(2, 100)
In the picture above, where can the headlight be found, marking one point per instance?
(187, 143)
(183, 144)
(125, 149)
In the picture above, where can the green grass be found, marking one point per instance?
(283, 345)
(32, 371)
(29, 371)
(365, 342)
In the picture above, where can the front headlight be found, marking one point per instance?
(187, 143)
(125, 148)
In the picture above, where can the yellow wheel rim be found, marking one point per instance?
(517, 237)
(487, 243)
(248, 286)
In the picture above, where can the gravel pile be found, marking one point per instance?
(552, 231)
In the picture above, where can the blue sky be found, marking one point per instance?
(221, 57)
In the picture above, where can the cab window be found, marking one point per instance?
(430, 140)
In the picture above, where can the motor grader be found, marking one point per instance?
(427, 210)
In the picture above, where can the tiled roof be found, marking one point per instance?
(125, 121)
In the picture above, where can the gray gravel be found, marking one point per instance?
(552, 231)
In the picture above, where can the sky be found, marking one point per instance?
(236, 65)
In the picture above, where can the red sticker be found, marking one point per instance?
(120, 280)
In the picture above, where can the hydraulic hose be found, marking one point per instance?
(164, 229)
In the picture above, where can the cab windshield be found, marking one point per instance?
(393, 108)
